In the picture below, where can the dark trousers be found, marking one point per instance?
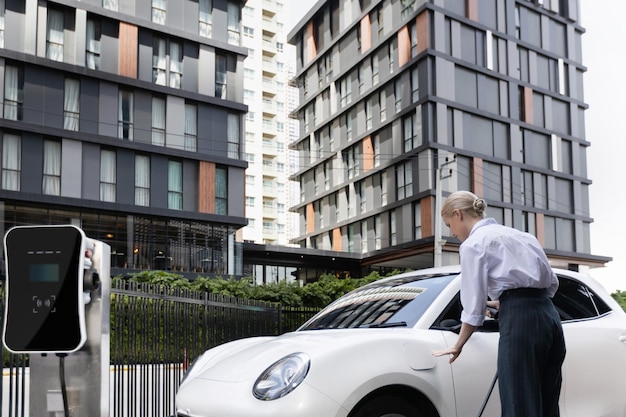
(530, 354)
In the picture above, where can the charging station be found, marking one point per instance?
(58, 312)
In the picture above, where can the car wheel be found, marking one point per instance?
(387, 406)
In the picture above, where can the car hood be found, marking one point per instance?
(246, 359)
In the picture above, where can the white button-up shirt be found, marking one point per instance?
(495, 258)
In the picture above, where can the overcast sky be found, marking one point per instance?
(604, 54)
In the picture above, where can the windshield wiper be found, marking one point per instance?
(387, 324)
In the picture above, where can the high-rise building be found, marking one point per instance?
(269, 98)
(397, 97)
(125, 118)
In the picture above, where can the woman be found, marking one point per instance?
(511, 268)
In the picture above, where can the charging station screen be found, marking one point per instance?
(44, 273)
(44, 265)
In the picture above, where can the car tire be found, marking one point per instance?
(387, 406)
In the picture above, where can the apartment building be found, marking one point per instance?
(404, 102)
(126, 118)
(269, 98)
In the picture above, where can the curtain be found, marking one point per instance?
(233, 23)
(220, 76)
(159, 8)
(175, 185)
(71, 104)
(11, 92)
(176, 65)
(110, 4)
(233, 136)
(158, 121)
(107, 176)
(191, 127)
(125, 127)
(221, 191)
(11, 162)
(55, 35)
(205, 18)
(159, 62)
(51, 168)
(92, 56)
(142, 180)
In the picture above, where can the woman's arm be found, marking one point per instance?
(466, 331)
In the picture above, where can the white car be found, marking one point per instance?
(369, 354)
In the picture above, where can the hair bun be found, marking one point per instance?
(479, 205)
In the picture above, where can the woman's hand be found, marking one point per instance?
(454, 351)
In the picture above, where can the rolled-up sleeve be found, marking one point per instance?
(474, 281)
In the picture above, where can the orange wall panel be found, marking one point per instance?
(127, 59)
(310, 218)
(422, 31)
(528, 105)
(206, 188)
(337, 240)
(366, 33)
(541, 228)
(471, 8)
(427, 205)
(404, 46)
(477, 177)
(368, 154)
(310, 42)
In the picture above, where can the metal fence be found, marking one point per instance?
(156, 332)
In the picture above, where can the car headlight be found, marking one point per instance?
(282, 377)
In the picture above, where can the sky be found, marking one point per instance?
(604, 55)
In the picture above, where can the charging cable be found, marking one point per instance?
(66, 408)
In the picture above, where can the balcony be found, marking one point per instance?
(269, 67)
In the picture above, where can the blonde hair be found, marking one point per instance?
(465, 201)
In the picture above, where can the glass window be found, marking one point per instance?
(220, 76)
(11, 162)
(175, 185)
(110, 4)
(233, 136)
(1, 23)
(205, 18)
(221, 191)
(71, 105)
(233, 22)
(158, 121)
(159, 11)
(142, 180)
(125, 115)
(191, 127)
(51, 168)
(13, 92)
(54, 35)
(92, 55)
(404, 180)
(108, 175)
(417, 220)
(167, 63)
(575, 301)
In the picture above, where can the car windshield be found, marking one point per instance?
(393, 303)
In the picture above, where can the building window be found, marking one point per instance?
(167, 63)
(191, 127)
(408, 7)
(220, 76)
(345, 89)
(159, 11)
(108, 175)
(158, 121)
(383, 105)
(349, 126)
(360, 188)
(415, 88)
(175, 185)
(364, 247)
(417, 214)
(378, 244)
(233, 135)
(393, 228)
(408, 133)
(1, 23)
(110, 4)
(375, 75)
(376, 149)
(54, 35)
(71, 105)
(92, 55)
(125, 115)
(368, 114)
(397, 92)
(13, 92)
(142, 180)
(221, 191)
(404, 180)
(233, 22)
(11, 162)
(205, 18)
(248, 32)
(51, 168)
(383, 188)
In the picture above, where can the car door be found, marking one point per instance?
(474, 370)
(594, 372)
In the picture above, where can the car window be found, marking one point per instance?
(392, 303)
(575, 301)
